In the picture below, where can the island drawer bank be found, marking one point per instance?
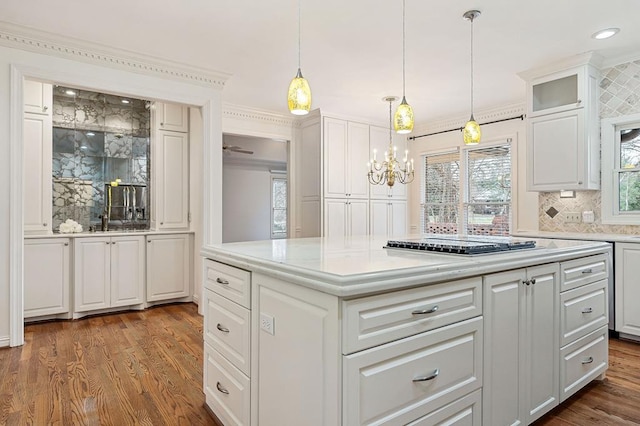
(344, 332)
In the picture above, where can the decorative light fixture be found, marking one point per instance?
(299, 97)
(471, 132)
(390, 170)
(403, 118)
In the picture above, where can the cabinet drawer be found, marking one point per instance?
(466, 411)
(375, 320)
(576, 273)
(230, 282)
(226, 389)
(582, 361)
(227, 327)
(401, 381)
(583, 310)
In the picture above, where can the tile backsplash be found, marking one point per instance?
(619, 95)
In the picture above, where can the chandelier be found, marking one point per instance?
(390, 170)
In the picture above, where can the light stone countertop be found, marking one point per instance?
(86, 234)
(617, 238)
(349, 267)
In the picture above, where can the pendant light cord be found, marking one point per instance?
(390, 127)
(403, 49)
(299, 1)
(471, 65)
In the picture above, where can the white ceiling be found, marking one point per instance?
(351, 49)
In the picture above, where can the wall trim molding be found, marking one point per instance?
(4, 342)
(230, 111)
(459, 120)
(37, 41)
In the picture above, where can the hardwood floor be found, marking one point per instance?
(145, 368)
(142, 367)
(613, 401)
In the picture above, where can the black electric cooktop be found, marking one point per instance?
(461, 244)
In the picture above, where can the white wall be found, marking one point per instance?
(524, 203)
(123, 77)
(246, 187)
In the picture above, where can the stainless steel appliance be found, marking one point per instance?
(462, 244)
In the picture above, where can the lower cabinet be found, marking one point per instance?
(168, 266)
(627, 290)
(346, 217)
(108, 272)
(388, 218)
(521, 353)
(46, 276)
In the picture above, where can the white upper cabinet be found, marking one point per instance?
(172, 117)
(346, 151)
(170, 173)
(37, 137)
(37, 97)
(563, 129)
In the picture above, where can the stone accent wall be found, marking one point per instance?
(619, 95)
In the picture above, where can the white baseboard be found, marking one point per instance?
(4, 342)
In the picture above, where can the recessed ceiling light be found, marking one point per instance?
(70, 92)
(602, 34)
(125, 101)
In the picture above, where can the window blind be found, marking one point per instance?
(441, 193)
(487, 207)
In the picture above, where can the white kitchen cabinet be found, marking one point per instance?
(346, 153)
(521, 342)
(345, 217)
(171, 178)
(37, 97)
(38, 149)
(172, 117)
(168, 267)
(563, 128)
(627, 290)
(108, 272)
(388, 217)
(379, 140)
(46, 276)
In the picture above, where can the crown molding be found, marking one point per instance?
(37, 41)
(481, 116)
(254, 114)
(591, 58)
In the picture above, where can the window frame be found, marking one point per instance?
(463, 196)
(610, 171)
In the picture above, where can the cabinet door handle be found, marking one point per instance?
(222, 281)
(431, 376)
(533, 281)
(526, 282)
(425, 311)
(66, 244)
(162, 124)
(107, 242)
(222, 328)
(221, 389)
(45, 108)
(44, 224)
(588, 271)
(588, 360)
(587, 310)
(579, 101)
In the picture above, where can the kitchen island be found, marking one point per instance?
(345, 332)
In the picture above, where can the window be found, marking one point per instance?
(278, 207)
(621, 170)
(468, 192)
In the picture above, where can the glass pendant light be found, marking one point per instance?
(299, 96)
(471, 132)
(403, 118)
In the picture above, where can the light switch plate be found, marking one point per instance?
(588, 217)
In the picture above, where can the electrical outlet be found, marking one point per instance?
(572, 217)
(267, 323)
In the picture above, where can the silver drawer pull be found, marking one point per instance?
(588, 271)
(222, 328)
(425, 311)
(222, 281)
(221, 389)
(587, 310)
(431, 376)
(588, 360)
